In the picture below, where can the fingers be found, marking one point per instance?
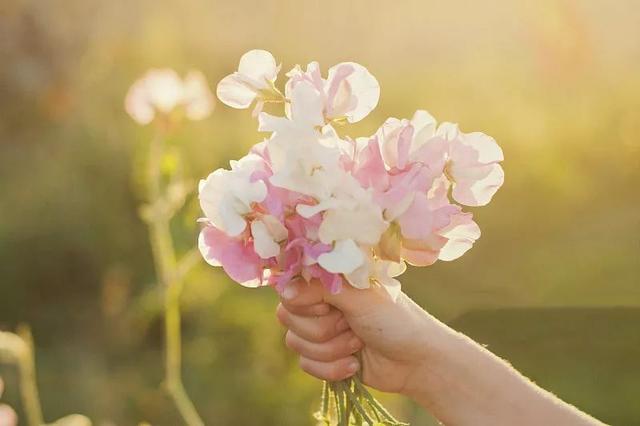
(339, 347)
(304, 299)
(313, 328)
(316, 310)
(333, 370)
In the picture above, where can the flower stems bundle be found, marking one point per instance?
(310, 203)
(348, 402)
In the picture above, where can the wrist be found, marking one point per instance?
(435, 345)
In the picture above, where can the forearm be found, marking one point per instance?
(462, 383)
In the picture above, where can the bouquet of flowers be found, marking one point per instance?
(308, 202)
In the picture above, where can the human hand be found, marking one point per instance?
(327, 330)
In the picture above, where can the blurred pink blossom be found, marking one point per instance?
(161, 91)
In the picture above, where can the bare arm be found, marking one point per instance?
(406, 350)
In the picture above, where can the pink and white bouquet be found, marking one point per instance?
(308, 202)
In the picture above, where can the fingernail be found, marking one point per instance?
(354, 343)
(289, 292)
(353, 366)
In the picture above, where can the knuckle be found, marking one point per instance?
(282, 314)
(290, 340)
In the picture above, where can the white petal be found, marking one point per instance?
(477, 191)
(307, 105)
(364, 87)
(487, 148)
(360, 278)
(424, 128)
(260, 66)
(277, 230)
(461, 234)
(263, 242)
(363, 224)
(345, 257)
(232, 91)
(306, 210)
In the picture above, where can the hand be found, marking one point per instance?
(327, 330)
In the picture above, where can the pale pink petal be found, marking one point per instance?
(345, 257)
(237, 257)
(419, 257)
(473, 168)
(204, 250)
(422, 219)
(424, 126)
(388, 135)
(137, 104)
(164, 89)
(198, 101)
(234, 92)
(365, 90)
(461, 234)
(487, 148)
(260, 66)
(370, 170)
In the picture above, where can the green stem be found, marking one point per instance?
(28, 385)
(356, 404)
(171, 275)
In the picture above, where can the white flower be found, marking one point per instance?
(254, 79)
(162, 90)
(349, 93)
(226, 196)
(345, 257)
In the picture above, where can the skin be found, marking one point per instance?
(407, 351)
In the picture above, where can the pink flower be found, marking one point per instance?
(309, 203)
(472, 165)
(236, 255)
(160, 91)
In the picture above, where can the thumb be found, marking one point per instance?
(354, 302)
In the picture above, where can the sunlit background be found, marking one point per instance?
(553, 285)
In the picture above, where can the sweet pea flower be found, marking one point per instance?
(227, 196)
(236, 255)
(349, 93)
(472, 165)
(160, 91)
(308, 203)
(377, 271)
(254, 80)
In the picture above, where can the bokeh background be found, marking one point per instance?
(553, 285)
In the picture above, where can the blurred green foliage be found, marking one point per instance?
(555, 82)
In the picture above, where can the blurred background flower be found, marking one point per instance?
(552, 284)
